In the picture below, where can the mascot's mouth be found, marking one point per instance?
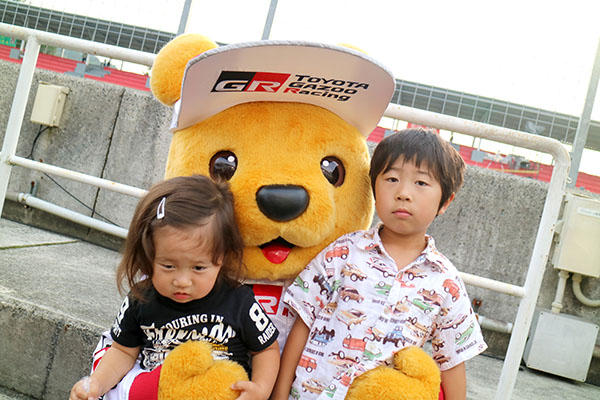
(276, 251)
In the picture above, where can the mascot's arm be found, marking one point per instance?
(264, 370)
(292, 351)
(117, 361)
(454, 382)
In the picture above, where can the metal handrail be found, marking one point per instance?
(543, 241)
(528, 292)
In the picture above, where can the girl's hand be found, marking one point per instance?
(250, 391)
(85, 389)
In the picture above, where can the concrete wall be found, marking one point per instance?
(122, 135)
(106, 131)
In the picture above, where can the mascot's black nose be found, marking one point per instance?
(282, 202)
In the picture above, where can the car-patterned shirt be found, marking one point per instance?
(361, 310)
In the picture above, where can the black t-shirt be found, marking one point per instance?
(229, 318)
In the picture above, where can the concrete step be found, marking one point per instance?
(57, 294)
(6, 394)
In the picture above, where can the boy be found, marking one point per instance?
(374, 292)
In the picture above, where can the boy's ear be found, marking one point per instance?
(444, 206)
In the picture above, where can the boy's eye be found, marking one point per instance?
(166, 266)
(199, 268)
(422, 183)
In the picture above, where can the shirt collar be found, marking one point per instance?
(370, 240)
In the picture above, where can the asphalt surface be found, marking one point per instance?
(50, 282)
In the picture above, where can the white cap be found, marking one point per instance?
(344, 81)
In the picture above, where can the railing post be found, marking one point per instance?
(17, 112)
(533, 281)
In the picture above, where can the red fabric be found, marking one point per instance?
(441, 394)
(145, 385)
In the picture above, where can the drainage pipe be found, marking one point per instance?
(579, 294)
(494, 325)
(560, 291)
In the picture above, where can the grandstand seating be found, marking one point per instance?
(537, 171)
(62, 65)
(136, 81)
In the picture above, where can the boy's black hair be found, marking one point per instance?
(421, 145)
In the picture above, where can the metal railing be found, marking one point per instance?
(8, 157)
(528, 292)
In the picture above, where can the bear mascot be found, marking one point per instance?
(285, 123)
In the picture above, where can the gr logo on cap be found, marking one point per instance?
(341, 80)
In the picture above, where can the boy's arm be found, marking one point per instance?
(289, 360)
(454, 382)
(116, 362)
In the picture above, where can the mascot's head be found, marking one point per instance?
(285, 123)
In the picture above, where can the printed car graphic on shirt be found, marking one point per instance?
(454, 324)
(348, 293)
(414, 272)
(308, 363)
(330, 308)
(342, 361)
(301, 283)
(351, 317)
(372, 352)
(294, 394)
(417, 328)
(403, 283)
(383, 288)
(400, 307)
(422, 305)
(313, 385)
(376, 334)
(353, 272)
(461, 338)
(322, 337)
(451, 287)
(377, 264)
(440, 358)
(395, 337)
(325, 287)
(431, 297)
(372, 248)
(351, 343)
(437, 344)
(330, 390)
(341, 252)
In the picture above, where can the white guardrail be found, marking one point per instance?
(528, 292)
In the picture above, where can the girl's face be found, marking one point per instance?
(182, 269)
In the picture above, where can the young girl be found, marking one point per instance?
(181, 260)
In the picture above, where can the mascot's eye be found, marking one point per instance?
(334, 171)
(223, 165)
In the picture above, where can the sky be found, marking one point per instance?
(531, 52)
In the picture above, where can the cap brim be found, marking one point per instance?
(341, 80)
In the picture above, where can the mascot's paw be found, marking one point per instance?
(189, 373)
(415, 376)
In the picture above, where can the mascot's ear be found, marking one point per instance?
(170, 62)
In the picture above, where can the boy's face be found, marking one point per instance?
(407, 199)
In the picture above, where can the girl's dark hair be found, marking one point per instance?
(421, 145)
(189, 201)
